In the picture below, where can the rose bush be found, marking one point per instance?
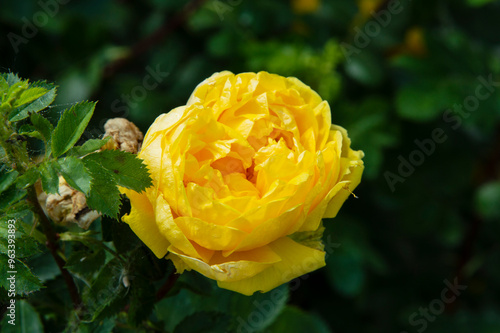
(250, 164)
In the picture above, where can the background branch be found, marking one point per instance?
(159, 35)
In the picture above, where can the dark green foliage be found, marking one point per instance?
(389, 251)
(293, 320)
(204, 322)
(254, 313)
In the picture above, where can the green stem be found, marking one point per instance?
(82, 237)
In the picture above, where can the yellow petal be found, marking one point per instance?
(258, 214)
(270, 230)
(205, 206)
(169, 229)
(209, 235)
(201, 92)
(269, 83)
(351, 169)
(324, 120)
(170, 184)
(241, 265)
(164, 122)
(310, 96)
(142, 222)
(296, 260)
(344, 189)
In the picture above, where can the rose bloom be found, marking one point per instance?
(240, 174)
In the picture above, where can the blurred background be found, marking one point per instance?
(416, 84)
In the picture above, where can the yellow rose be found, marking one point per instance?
(250, 160)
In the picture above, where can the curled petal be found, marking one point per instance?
(296, 260)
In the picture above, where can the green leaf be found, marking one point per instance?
(4, 87)
(89, 146)
(26, 282)
(346, 273)
(29, 95)
(292, 320)
(7, 179)
(204, 322)
(28, 178)
(488, 200)
(26, 246)
(71, 126)
(425, 101)
(267, 306)
(26, 319)
(86, 262)
(125, 168)
(42, 125)
(10, 197)
(37, 105)
(195, 283)
(311, 239)
(142, 299)
(14, 92)
(44, 267)
(49, 176)
(366, 68)
(11, 78)
(104, 195)
(75, 173)
(28, 130)
(107, 291)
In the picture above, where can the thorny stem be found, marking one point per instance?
(167, 286)
(54, 248)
